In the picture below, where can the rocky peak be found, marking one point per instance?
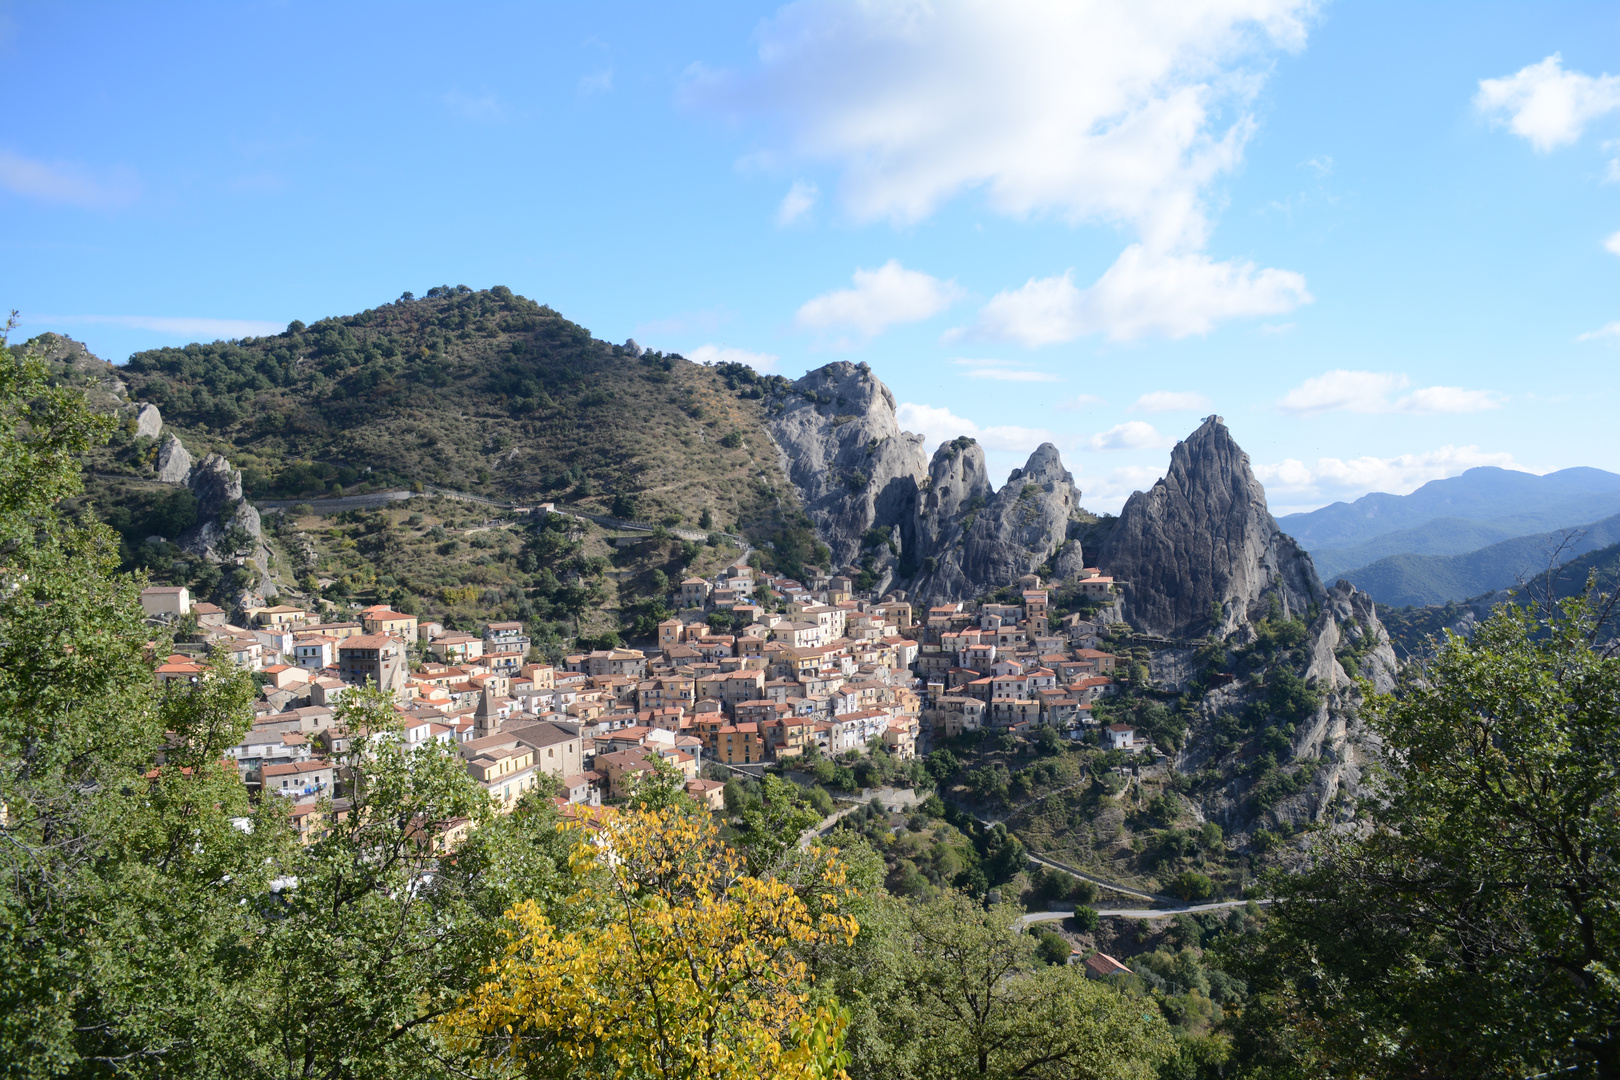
(979, 539)
(1202, 537)
(842, 447)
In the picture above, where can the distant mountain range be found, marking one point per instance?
(1456, 538)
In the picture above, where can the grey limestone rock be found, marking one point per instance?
(981, 539)
(173, 461)
(841, 446)
(1203, 537)
(148, 421)
(953, 535)
(228, 529)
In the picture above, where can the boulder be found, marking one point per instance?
(173, 461)
(148, 421)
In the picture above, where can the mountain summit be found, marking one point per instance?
(1199, 552)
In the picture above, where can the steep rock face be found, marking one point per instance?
(1201, 537)
(843, 449)
(227, 524)
(1329, 749)
(979, 539)
(173, 461)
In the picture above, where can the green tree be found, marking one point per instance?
(971, 999)
(1473, 929)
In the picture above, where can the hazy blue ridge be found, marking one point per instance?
(1416, 580)
(1520, 502)
(1442, 536)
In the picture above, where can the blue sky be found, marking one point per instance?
(1383, 240)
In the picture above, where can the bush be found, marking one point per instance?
(1192, 886)
(1086, 918)
(1053, 948)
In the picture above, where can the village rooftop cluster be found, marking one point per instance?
(807, 667)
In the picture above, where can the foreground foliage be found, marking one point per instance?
(1474, 929)
(679, 964)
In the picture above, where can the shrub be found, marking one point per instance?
(1086, 918)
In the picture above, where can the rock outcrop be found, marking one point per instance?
(939, 531)
(227, 529)
(78, 366)
(842, 448)
(173, 461)
(1201, 542)
(975, 538)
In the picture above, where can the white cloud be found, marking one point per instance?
(1110, 110)
(882, 297)
(1105, 111)
(197, 329)
(725, 354)
(1606, 331)
(1292, 485)
(67, 184)
(1612, 244)
(1370, 392)
(1131, 435)
(1546, 104)
(1075, 404)
(938, 425)
(801, 197)
(1171, 401)
(1108, 494)
(1145, 293)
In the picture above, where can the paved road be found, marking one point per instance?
(1125, 890)
(1140, 913)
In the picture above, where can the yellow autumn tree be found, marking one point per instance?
(667, 961)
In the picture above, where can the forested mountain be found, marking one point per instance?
(1499, 504)
(484, 392)
(1419, 580)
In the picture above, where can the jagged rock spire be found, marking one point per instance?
(1202, 538)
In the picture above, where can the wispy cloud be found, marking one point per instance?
(1373, 392)
(598, 82)
(1612, 244)
(881, 298)
(1606, 332)
(485, 108)
(198, 329)
(726, 354)
(1159, 401)
(799, 201)
(66, 183)
(1081, 401)
(1004, 371)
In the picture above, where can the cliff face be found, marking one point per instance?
(843, 449)
(977, 539)
(1203, 537)
(947, 533)
(227, 524)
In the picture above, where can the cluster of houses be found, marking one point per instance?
(798, 667)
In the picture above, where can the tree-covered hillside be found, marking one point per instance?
(483, 392)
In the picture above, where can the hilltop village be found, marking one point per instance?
(802, 668)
